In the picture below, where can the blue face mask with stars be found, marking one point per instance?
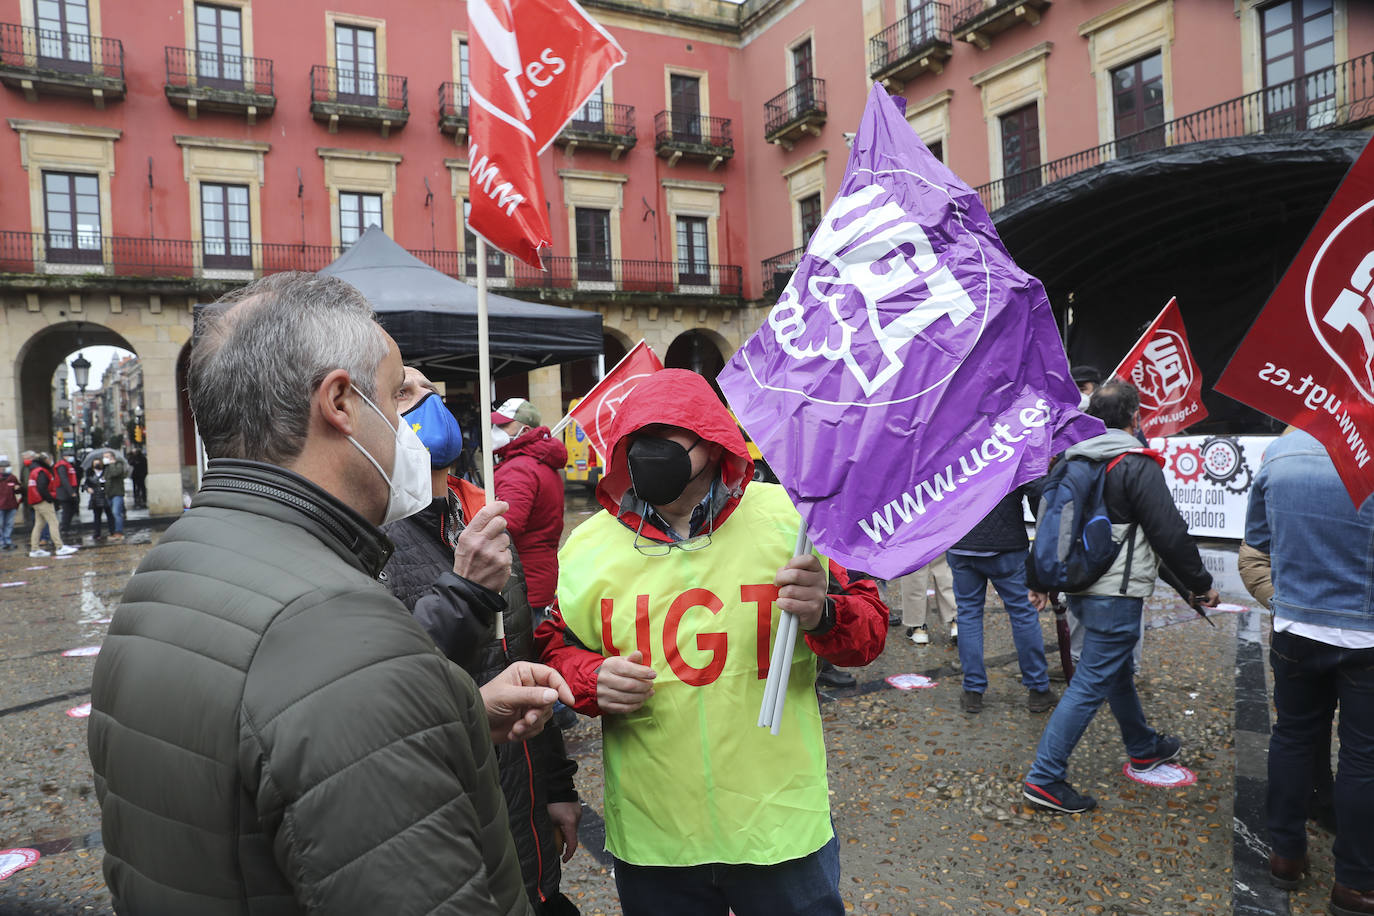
(437, 428)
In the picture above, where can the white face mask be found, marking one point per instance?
(408, 488)
(499, 438)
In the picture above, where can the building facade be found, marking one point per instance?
(157, 153)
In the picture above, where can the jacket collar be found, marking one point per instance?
(275, 492)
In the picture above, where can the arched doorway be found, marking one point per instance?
(580, 375)
(699, 350)
(37, 369)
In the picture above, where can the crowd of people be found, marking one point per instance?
(47, 490)
(346, 705)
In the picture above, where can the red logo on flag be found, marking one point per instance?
(597, 411)
(1162, 368)
(533, 64)
(1309, 357)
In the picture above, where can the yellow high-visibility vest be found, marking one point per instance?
(690, 778)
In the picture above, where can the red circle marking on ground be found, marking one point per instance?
(910, 681)
(13, 860)
(83, 652)
(1164, 776)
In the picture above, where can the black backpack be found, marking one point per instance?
(1073, 536)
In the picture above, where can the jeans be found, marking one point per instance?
(1111, 629)
(117, 513)
(66, 514)
(105, 510)
(809, 886)
(1310, 680)
(1007, 572)
(140, 492)
(6, 526)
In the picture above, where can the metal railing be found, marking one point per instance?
(360, 87)
(926, 25)
(804, 97)
(967, 11)
(122, 256)
(683, 128)
(59, 53)
(188, 68)
(453, 100)
(783, 263)
(1333, 97)
(603, 120)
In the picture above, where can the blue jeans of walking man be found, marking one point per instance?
(1007, 573)
(1311, 679)
(1111, 629)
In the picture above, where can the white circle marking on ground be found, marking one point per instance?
(83, 652)
(13, 860)
(80, 712)
(1164, 776)
(910, 681)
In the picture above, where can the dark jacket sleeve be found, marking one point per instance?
(44, 482)
(555, 765)
(1152, 507)
(458, 615)
(860, 629)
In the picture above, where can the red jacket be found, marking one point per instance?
(10, 490)
(678, 397)
(527, 478)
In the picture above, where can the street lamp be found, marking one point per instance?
(81, 374)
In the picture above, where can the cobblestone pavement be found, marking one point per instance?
(926, 799)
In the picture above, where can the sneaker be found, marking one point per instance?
(1059, 797)
(894, 619)
(919, 635)
(971, 702)
(954, 633)
(1166, 749)
(830, 676)
(66, 551)
(40, 553)
(117, 536)
(1040, 700)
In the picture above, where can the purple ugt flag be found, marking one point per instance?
(911, 374)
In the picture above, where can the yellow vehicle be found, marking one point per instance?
(584, 464)
(761, 469)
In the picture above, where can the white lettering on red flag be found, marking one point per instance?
(1308, 359)
(532, 65)
(1162, 368)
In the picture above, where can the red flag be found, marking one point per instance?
(533, 64)
(596, 412)
(1309, 357)
(1163, 370)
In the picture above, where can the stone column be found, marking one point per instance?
(546, 393)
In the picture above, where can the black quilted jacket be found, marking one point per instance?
(533, 773)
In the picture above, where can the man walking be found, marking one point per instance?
(115, 475)
(275, 733)
(667, 606)
(138, 475)
(1143, 517)
(42, 498)
(995, 551)
(1322, 653)
(68, 496)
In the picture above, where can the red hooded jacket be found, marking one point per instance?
(527, 478)
(678, 397)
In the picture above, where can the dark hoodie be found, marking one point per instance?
(527, 477)
(678, 397)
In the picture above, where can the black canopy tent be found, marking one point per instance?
(433, 317)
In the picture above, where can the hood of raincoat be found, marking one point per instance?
(537, 444)
(675, 397)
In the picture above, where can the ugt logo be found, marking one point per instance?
(1339, 296)
(881, 284)
(1163, 374)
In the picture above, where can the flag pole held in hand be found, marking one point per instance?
(780, 662)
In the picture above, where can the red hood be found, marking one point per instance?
(676, 397)
(539, 445)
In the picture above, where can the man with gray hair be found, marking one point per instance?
(270, 729)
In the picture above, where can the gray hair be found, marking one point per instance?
(261, 352)
(1115, 404)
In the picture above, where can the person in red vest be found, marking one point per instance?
(42, 496)
(11, 492)
(68, 495)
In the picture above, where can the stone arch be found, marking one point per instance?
(34, 364)
(701, 350)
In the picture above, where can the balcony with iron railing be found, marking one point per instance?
(795, 112)
(977, 21)
(777, 271)
(1335, 97)
(210, 81)
(918, 42)
(358, 96)
(679, 134)
(91, 254)
(601, 125)
(453, 109)
(62, 63)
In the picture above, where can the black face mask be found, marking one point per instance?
(660, 469)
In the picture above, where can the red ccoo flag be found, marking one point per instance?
(596, 412)
(1163, 370)
(533, 64)
(1308, 359)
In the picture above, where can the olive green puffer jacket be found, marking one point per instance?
(272, 733)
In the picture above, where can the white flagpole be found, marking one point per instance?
(780, 663)
(484, 389)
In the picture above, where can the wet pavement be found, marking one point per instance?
(926, 799)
